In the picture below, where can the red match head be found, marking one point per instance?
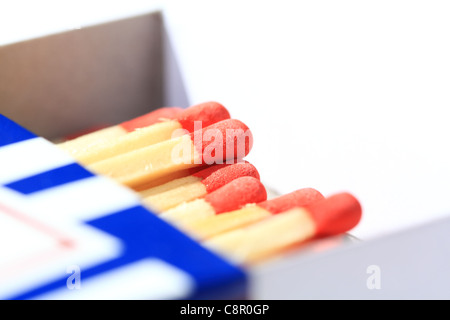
(151, 118)
(222, 141)
(298, 198)
(205, 113)
(218, 175)
(336, 214)
(236, 194)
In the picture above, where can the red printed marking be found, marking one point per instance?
(63, 244)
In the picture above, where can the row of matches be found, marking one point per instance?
(187, 166)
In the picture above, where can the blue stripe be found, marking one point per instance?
(144, 235)
(50, 179)
(10, 132)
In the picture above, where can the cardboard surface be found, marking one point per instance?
(340, 96)
(71, 81)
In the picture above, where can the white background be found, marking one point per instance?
(340, 95)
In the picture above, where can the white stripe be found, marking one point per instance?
(85, 199)
(30, 157)
(20, 240)
(31, 252)
(145, 279)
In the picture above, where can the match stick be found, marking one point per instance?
(165, 179)
(194, 186)
(138, 133)
(232, 196)
(231, 139)
(101, 136)
(334, 215)
(202, 229)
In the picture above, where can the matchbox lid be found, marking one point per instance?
(67, 233)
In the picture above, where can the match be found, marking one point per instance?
(208, 227)
(199, 184)
(231, 140)
(157, 126)
(236, 194)
(331, 216)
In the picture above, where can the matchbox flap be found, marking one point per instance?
(70, 234)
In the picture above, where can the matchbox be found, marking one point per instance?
(72, 234)
(62, 223)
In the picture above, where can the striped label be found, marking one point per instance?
(66, 233)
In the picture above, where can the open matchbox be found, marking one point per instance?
(59, 221)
